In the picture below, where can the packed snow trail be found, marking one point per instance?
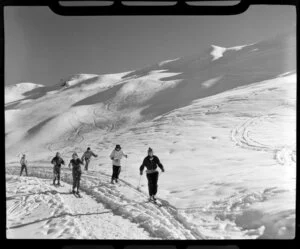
(126, 201)
(36, 209)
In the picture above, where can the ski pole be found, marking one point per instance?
(138, 188)
(126, 168)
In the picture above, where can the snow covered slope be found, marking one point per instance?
(37, 210)
(109, 102)
(16, 92)
(223, 123)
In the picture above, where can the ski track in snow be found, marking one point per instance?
(214, 221)
(160, 222)
(37, 209)
(56, 221)
(284, 155)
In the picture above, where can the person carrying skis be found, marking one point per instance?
(75, 162)
(23, 163)
(116, 156)
(57, 161)
(151, 162)
(87, 157)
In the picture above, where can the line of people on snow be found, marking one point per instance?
(75, 163)
(151, 162)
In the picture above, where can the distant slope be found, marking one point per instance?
(16, 92)
(236, 67)
(86, 103)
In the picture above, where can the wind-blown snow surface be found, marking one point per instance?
(14, 93)
(224, 128)
(37, 210)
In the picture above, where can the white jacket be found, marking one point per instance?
(116, 157)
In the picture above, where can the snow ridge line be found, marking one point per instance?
(163, 222)
(240, 136)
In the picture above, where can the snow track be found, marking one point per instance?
(55, 218)
(241, 135)
(126, 201)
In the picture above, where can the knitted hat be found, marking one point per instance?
(118, 146)
(150, 150)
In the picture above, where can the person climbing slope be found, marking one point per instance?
(75, 162)
(87, 157)
(116, 156)
(57, 161)
(151, 162)
(23, 163)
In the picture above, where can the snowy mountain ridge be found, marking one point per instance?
(15, 92)
(218, 52)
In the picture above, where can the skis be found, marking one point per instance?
(156, 203)
(76, 195)
(57, 186)
(114, 184)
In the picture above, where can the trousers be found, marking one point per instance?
(116, 172)
(152, 183)
(76, 179)
(23, 167)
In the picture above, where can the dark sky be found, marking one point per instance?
(42, 47)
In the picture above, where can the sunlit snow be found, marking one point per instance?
(225, 130)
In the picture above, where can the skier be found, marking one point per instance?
(23, 163)
(87, 157)
(57, 161)
(116, 156)
(76, 172)
(151, 162)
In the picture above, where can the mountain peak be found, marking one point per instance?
(217, 51)
(17, 91)
(75, 79)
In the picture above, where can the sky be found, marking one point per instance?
(43, 47)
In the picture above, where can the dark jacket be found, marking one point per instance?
(76, 165)
(57, 161)
(151, 165)
(88, 154)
